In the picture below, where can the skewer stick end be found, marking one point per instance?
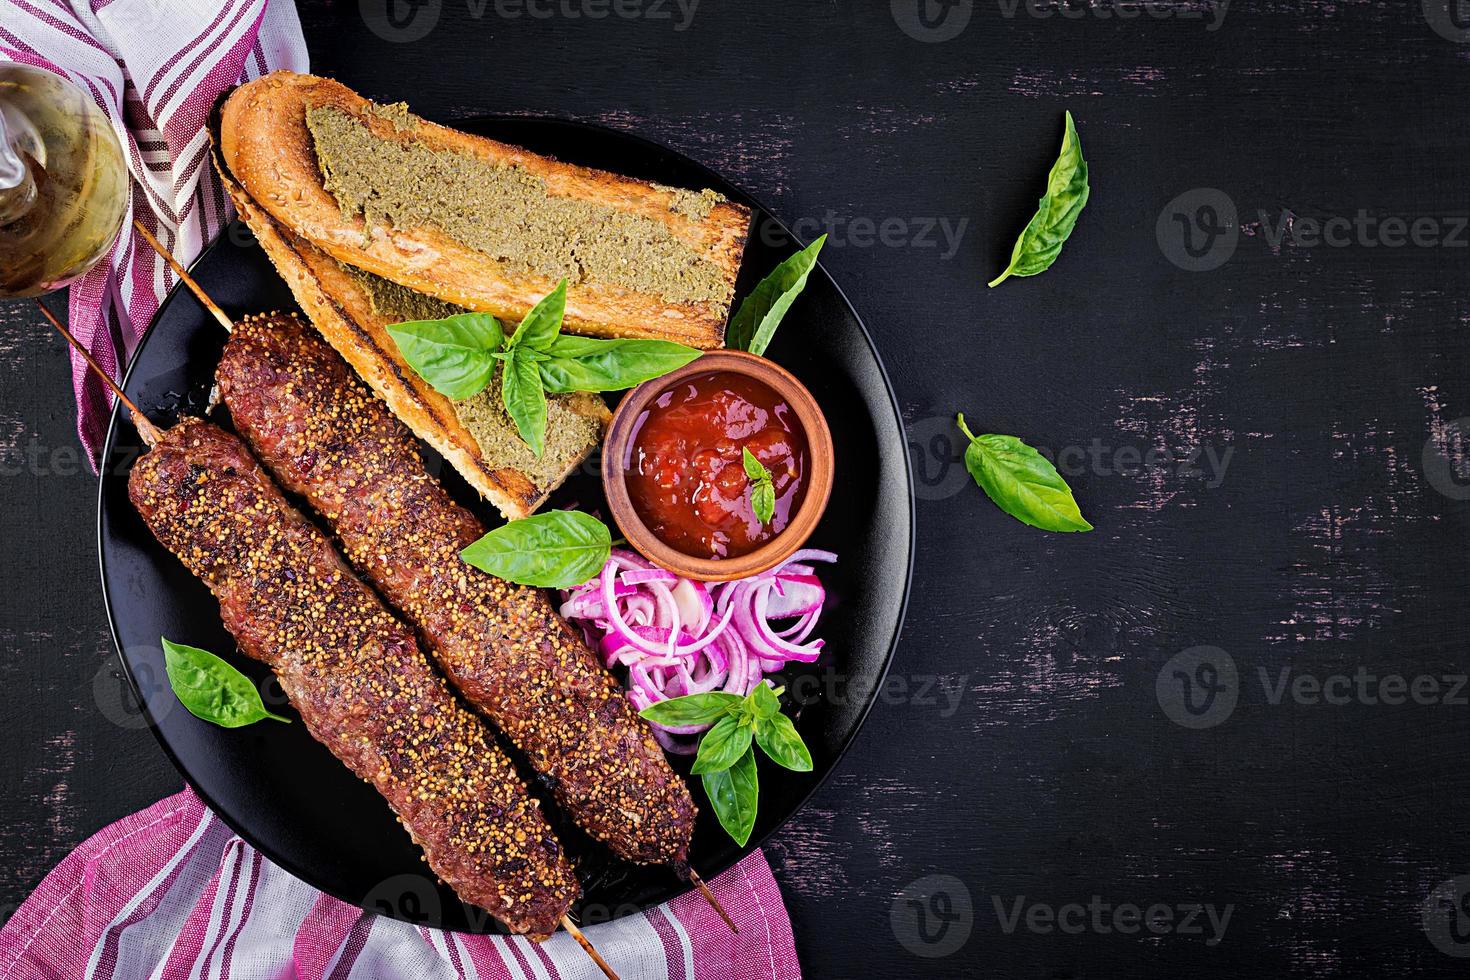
(709, 896)
(184, 276)
(145, 428)
(587, 946)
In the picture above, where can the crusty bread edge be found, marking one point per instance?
(383, 371)
(266, 144)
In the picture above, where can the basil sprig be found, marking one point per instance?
(1021, 481)
(726, 759)
(211, 689)
(585, 364)
(452, 354)
(1056, 214)
(457, 356)
(755, 322)
(762, 490)
(555, 550)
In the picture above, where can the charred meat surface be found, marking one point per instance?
(355, 673)
(325, 436)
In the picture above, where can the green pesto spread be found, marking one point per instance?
(695, 205)
(569, 435)
(399, 304)
(506, 212)
(396, 113)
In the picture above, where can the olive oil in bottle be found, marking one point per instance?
(63, 182)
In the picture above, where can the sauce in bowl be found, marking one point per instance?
(684, 464)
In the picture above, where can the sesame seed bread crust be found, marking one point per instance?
(503, 646)
(269, 148)
(355, 673)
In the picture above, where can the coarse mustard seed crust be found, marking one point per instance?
(355, 673)
(326, 436)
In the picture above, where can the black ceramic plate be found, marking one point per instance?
(285, 794)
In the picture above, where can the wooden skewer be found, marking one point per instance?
(228, 324)
(151, 435)
(146, 429)
(587, 946)
(184, 276)
(709, 896)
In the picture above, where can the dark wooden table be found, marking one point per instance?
(1250, 361)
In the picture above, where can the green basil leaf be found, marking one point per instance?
(722, 746)
(1022, 482)
(762, 491)
(692, 709)
(734, 794)
(541, 326)
(454, 355)
(525, 399)
(555, 550)
(764, 702)
(211, 689)
(763, 501)
(761, 312)
(754, 469)
(585, 364)
(778, 738)
(1056, 214)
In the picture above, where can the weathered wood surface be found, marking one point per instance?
(1311, 516)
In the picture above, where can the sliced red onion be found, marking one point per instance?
(677, 636)
(695, 605)
(638, 576)
(737, 680)
(673, 745)
(796, 595)
(619, 625)
(811, 554)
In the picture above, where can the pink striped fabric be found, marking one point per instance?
(155, 67)
(172, 894)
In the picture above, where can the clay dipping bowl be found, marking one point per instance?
(818, 478)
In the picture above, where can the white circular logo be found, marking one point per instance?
(932, 21)
(1445, 916)
(1198, 230)
(117, 700)
(409, 897)
(933, 916)
(1450, 19)
(937, 451)
(401, 21)
(1440, 470)
(1198, 687)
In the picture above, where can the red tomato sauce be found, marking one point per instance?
(684, 464)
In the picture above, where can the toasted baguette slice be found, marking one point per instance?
(643, 260)
(340, 303)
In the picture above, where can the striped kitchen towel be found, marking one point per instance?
(155, 67)
(172, 894)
